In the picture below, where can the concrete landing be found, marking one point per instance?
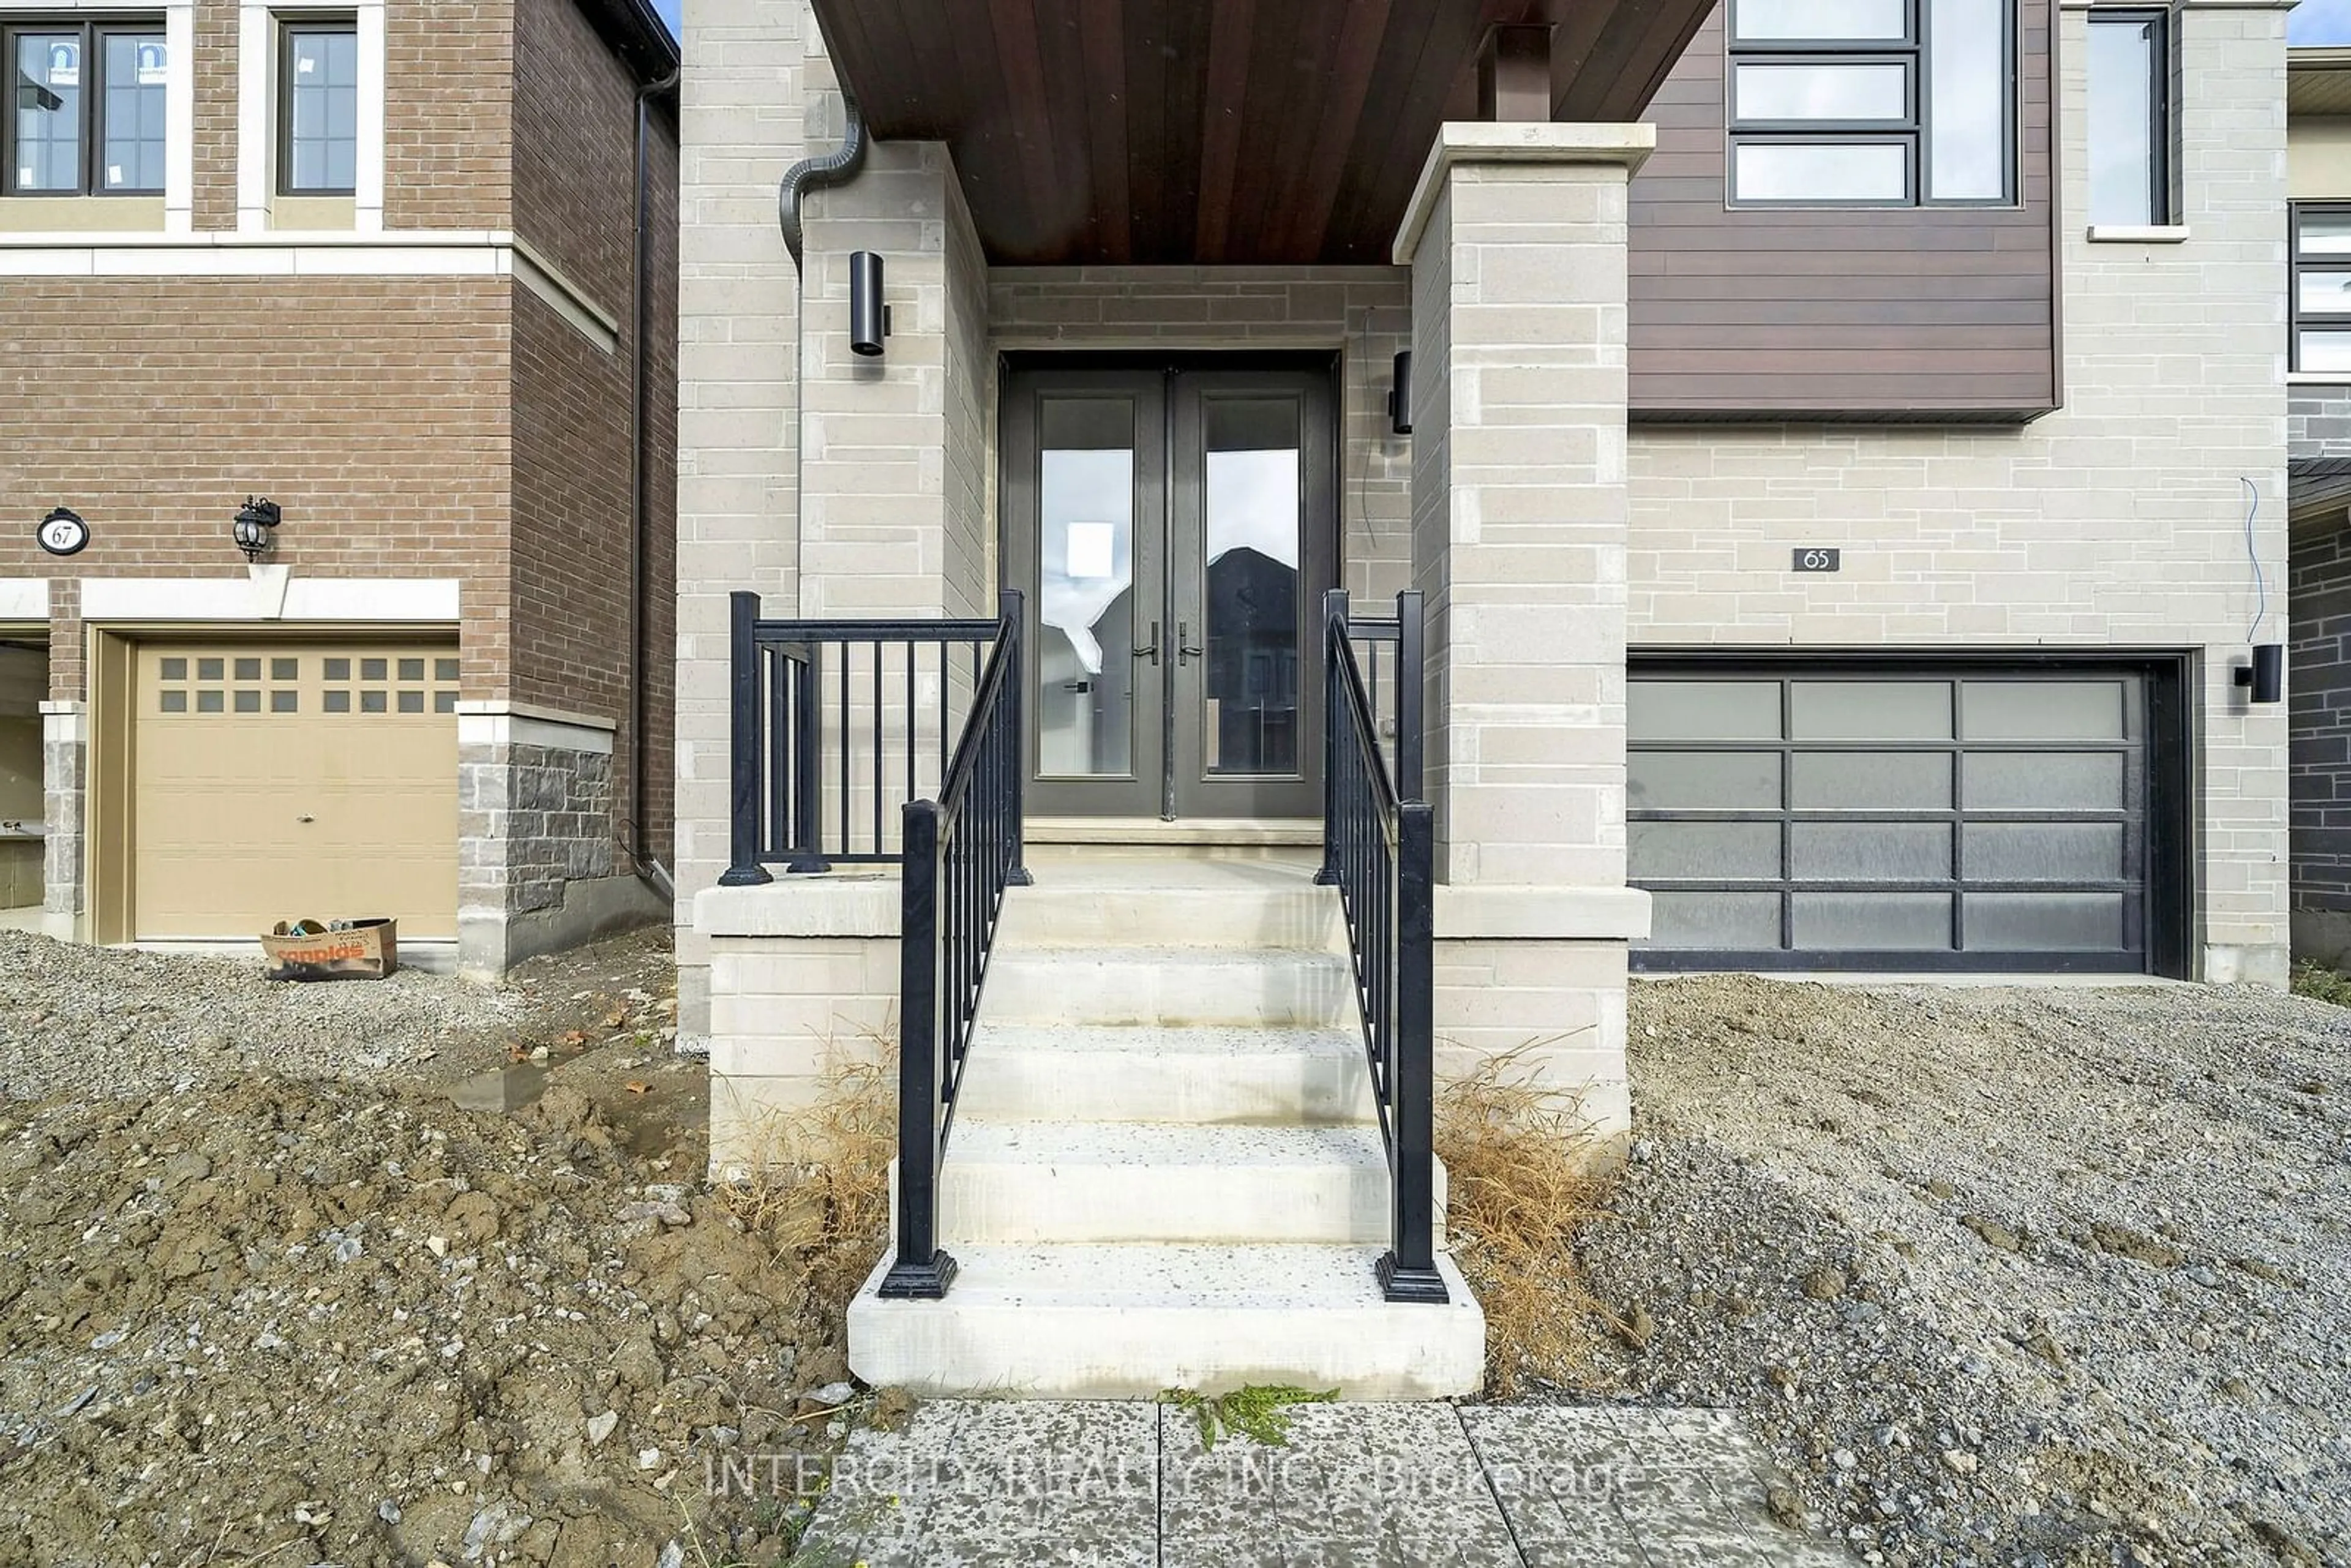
(1104, 1485)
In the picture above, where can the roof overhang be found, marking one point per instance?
(2318, 490)
(2319, 81)
(1216, 133)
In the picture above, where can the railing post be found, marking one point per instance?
(1335, 620)
(1407, 1272)
(921, 1269)
(1409, 693)
(1013, 617)
(807, 761)
(745, 758)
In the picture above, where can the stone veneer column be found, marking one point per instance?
(538, 866)
(65, 776)
(1516, 237)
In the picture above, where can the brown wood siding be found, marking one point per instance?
(1216, 132)
(1837, 312)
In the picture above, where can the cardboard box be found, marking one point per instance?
(365, 950)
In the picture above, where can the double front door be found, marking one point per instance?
(1174, 526)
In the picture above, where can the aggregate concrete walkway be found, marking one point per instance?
(1104, 1485)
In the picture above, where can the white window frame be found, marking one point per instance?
(179, 88)
(257, 108)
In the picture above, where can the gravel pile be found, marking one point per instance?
(2002, 1276)
(84, 1021)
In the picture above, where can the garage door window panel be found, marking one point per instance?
(1978, 815)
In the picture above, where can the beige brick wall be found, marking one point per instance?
(751, 107)
(2118, 521)
(782, 1012)
(215, 125)
(877, 509)
(449, 87)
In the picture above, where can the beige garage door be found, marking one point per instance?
(280, 780)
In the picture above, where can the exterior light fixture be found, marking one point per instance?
(869, 318)
(256, 522)
(1400, 396)
(2266, 676)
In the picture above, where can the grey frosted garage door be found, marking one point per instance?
(1816, 819)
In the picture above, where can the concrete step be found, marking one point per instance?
(1158, 1181)
(1039, 1072)
(1153, 902)
(1168, 986)
(1123, 1322)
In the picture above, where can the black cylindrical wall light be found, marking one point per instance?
(869, 318)
(2266, 674)
(1400, 396)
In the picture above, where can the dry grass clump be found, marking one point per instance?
(1525, 1173)
(2322, 984)
(816, 1182)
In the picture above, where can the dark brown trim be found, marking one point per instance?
(89, 154)
(282, 90)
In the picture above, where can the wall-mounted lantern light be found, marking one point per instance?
(1400, 396)
(869, 318)
(2266, 676)
(256, 522)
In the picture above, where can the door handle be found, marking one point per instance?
(1184, 652)
(1077, 686)
(1150, 650)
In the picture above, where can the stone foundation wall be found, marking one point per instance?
(538, 865)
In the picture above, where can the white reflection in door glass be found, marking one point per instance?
(1085, 569)
(1252, 545)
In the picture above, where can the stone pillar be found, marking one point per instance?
(65, 788)
(1516, 237)
(755, 101)
(536, 866)
(895, 478)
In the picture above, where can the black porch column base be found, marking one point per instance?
(1399, 1283)
(924, 1282)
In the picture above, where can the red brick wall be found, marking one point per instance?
(574, 525)
(660, 410)
(374, 410)
(448, 81)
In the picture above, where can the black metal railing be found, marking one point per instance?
(962, 850)
(835, 725)
(1379, 849)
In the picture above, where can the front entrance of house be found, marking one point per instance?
(1173, 524)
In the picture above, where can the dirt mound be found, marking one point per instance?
(293, 1321)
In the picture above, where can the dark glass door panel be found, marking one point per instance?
(1083, 503)
(1175, 529)
(1254, 535)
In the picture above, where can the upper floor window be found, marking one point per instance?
(1872, 102)
(2322, 288)
(2129, 120)
(318, 109)
(86, 109)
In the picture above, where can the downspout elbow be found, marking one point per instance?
(837, 167)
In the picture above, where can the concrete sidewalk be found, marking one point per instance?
(1102, 1485)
